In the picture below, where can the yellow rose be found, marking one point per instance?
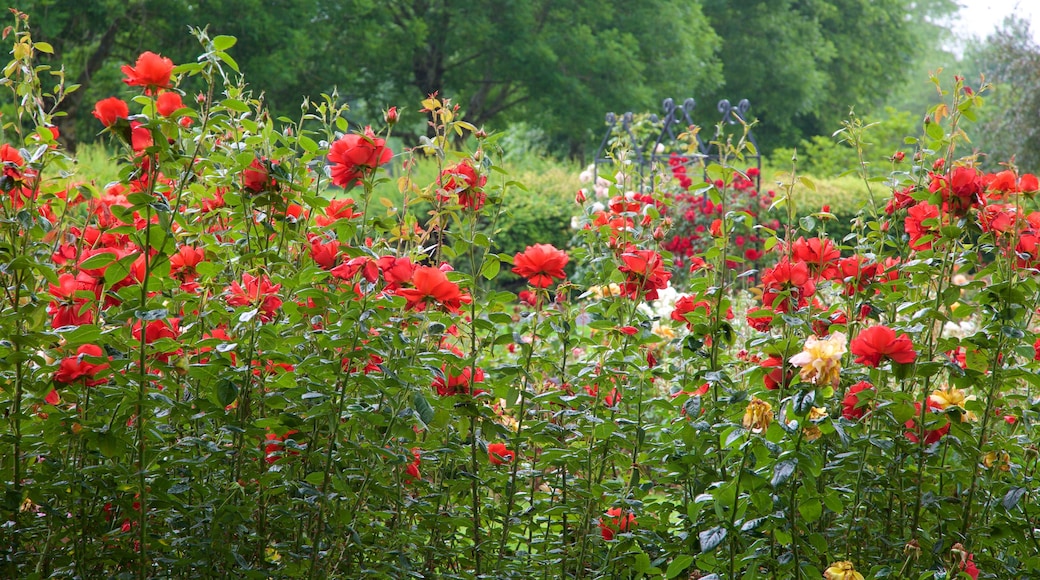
(842, 571)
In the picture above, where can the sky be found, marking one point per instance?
(981, 17)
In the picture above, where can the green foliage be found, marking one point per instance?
(1010, 59)
(220, 367)
(804, 64)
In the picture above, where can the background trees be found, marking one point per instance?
(556, 64)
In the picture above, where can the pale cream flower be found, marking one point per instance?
(821, 359)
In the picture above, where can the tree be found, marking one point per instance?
(1010, 59)
(804, 63)
(558, 64)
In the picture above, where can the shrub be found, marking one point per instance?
(223, 366)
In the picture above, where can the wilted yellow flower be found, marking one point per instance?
(664, 331)
(821, 359)
(602, 291)
(951, 397)
(1001, 459)
(758, 415)
(842, 571)
(812, 431)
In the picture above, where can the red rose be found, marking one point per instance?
(1028, 182)
(915, 228)
(109, 110)
(256, 177)
(168, 103)
(616, 522)
(820, 254)
(462, 181)
(256, 292)
(498, 454)
(432, 285)
(74, 368)
(354, 156)
(850, 405)
(646, 273)
(541, 264)
(930, 435)
(151, 72)
(878, 342)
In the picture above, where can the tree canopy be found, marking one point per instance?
(556, 64)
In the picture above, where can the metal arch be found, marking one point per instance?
(645, 155)
(738, 115)
(626, 126)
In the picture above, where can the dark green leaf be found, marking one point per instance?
(710, 539)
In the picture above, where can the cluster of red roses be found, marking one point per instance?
(696, 218)
(964, 192)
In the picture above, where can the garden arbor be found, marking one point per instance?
(647, 140)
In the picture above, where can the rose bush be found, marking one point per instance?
(236, 363)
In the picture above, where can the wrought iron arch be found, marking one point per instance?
(675, 124)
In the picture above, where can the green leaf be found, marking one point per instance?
(223, 42)
(783, 471)
(1012, 497)
(491, 267)
(227, 392)
(642, 563)
(811, 510)
(235, 105)
(422, 407)
(678, 565)
(710, 539)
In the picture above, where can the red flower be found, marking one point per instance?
(354, 156)
(540, 264)
(776, 377)
(856, 273)
(69, 307)
(275, 444)
(74, 368)
(790, 278)
(646, 273)
(325, 254)
(168, 103)
(1029, 183)
(851, 408)
(447, 384)
(257, 177)
(498, 454)
(616, 523)
(109, 110)
(432, 285)
(687, 305)
(396, 271)
(930, 435)
(140, 137)
(151, 72)
(259, 293)
(820, 254)
(338, 209)
(413, 468)
(878, 342)
(760, 318)
(461, 180)
(183, 265)
(969, 568)
(915, 228)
